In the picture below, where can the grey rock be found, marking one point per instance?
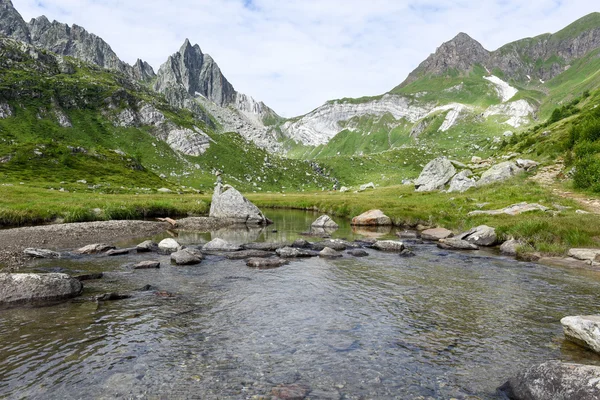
(436, 234)
(94, 248)
(328, 252)
(185, 257)
(244, 254)
(147, 265)
(510, 247)
(499, 172)
(5, 110)
(456, 244)
(366, 186)
(555, 380)
(168, 246)
(228, 203)
(266, 263)
(407, 253)
(435, 175)
(514, 209)
(292, 252)
(358, 253)
(118, 252)
(89, 277)
(324, 221)
(388, 245)
(147, 246)
(220, 245)
(481, 235)
(189, 142)
(23, 288)
(527, 165)
(301, 244)
(12, 24)
(372, 218)
(584, 254)
(41, 253)
(335, 244)
(462, 182)
(266, 246)
(583, 330)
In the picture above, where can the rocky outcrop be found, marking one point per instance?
(228, 203)
(514, 209)
(188, 142)
(583, 330)
(499, 172)
(555, 380)
(482, 235)
(435, 175)
(372, 218)
(23, 288)
(11, 22)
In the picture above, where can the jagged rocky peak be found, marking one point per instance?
(143, 71)
(198, 73)
(11, 22)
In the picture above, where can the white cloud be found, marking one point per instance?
(296, 54)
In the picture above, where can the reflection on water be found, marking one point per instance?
(438, 325)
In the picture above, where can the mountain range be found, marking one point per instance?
(461, 100)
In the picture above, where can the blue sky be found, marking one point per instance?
(296, 54)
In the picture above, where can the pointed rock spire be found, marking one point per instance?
(11, 22)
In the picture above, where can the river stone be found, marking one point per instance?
(481, 235)
(407, 253)
(584, 254)
(184, 257)
(243, 254)
(388, 245)
(372, 218)
(266, 263)
(456, 244)
(324, 221)
(583, 330)
(301, 244)
(436, 234)
(499, 172)
(265, 246)
(146, 247)
(22, 288)
(510, 247)
(168, 246)
(118, 252)
(41, 253)
(554, 380)
(358, 253)
(435, 175)
(335, 244)
(229, 203)
(462, 182)
(219, 244)
(94, 248)
(328, 252)
(292, 252)
(147, 265)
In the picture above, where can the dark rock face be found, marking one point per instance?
(554, 380)
(23, 288)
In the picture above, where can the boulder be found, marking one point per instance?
(228, 203)
(147, 265)
(482, 235)
(118, 252)
(462, 182)
(499, 172)
(436, 234)
(358, 253)
(220, 245)
(41, 253)
(388, 245)
(301, 244)
(583, 330)
(168, 246)
(372, 218)
(335, 244)
(407, 253)
(292, 252)
(584, 254)
(94, 248)
(146, 246)
(23, 288)
(510, 247)
(555, 380)
(514, 209)
(328, 252)
(366, 186)
(266, 263)
(265, 246)
(244, 254)
(527, 165)
(324, 221)
(456, 244)
(184, 257)
(435, 175)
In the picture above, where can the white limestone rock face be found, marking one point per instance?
(499, 172)
(149, 115)
(189, 142)
(504, 90)
(23, 288)
(435, 175)
(583, 330)
(229, 203)
(462, 182)
(519, 112)
(63, 119)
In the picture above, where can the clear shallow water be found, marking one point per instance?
(440, 325)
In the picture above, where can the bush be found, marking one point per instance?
(587, 173)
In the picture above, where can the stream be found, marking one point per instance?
(439, 325)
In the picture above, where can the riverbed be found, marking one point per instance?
(438, 325)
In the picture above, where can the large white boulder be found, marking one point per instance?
(499, 172)
(583, 330)
(23, 288)
(435, 175)
(482, 235)
(228, 203)
(324, 221)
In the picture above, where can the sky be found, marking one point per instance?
(296, 54)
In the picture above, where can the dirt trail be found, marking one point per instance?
(549, 175)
